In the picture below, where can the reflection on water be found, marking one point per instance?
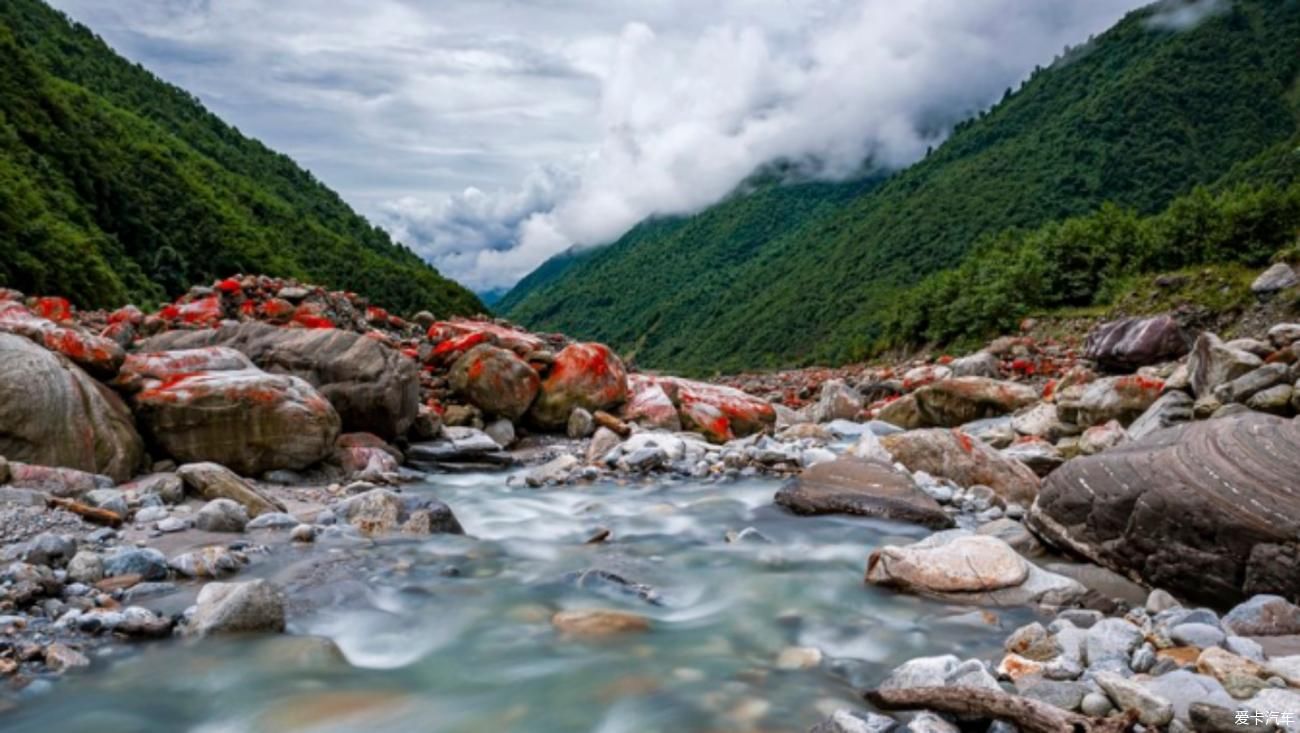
(453, 634)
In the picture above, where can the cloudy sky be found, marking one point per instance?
(490, 134)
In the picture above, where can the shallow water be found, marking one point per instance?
(453, 634)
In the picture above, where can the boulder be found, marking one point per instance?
(212, 481)
(1264, 615)
(584, 375)
(53, 414)
(495, 380)
(99, 356)
(1127, 344)
(1208, 510)
(1172, 408)
(836, 401)
(650, 406)
(457, 329)
(1280, 276)
(1213, 363)
(366, 456)
(381, 511)
(1283, 335)
(1111, 398)
(864, 488)
(717, 412)
(373, 388)
(1040, 421)
(222, 515)
(962, 567)
(214, 405)
(979, 364)
(1039, 455)
(63, 482)
(257, 606)
(948, 403)
(1253, 382)
(953, 455)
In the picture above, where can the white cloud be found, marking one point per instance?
(491, 134)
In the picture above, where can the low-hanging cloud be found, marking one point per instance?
(491, 134)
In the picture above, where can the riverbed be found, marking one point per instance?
(453, 634)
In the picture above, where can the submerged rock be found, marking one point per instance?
(256, 606)
(597, 623)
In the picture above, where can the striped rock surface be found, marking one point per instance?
(1207, 510)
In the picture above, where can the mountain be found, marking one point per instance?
(116, 186)
(795, 274)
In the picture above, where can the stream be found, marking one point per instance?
(453, 634)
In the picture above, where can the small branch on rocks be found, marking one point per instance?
(85, 511)
(1030, 716)
(606, 420)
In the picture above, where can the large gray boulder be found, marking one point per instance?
(1207, 510)
(53, 414)
(851, 485)
(1130, 343)
(374, 388)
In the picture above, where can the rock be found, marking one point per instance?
(1183, 688)
(1197, 635)
(1243, 647)
(1014, 534)
(166, 486)
(372, 388)
(589, 376)
(1247, 385)
(799, 657)
(836, 402)
(852, 721)
(860, 487)
(928, 722)
(380, 511)
(53, 414)
(1279, 276)
(1112, 398)
(958, 566)
(1040, 456)
(956, 456)
(303, 533)
(604, 441)
(1130, 343)
(1064, 694)
(145, 562)
(650, 406)
(1095, 704)
(1213, 363)
(868, 448)
(598, 623)
(1173, 408)
(502, 431)
(951, 402)
(942, 671)
(222, 515)
(1273, 704)
(365, 457)
(554, 471)
(111, 500)
(1152, 709)
(1040, 421)
(1259, 348)
(49, 549)
(99, 356)
(212, 481)
(902, 412)
(1160, 600)
(1284, 334)
(1209, 510)
(496, 381)
(1264, 615)
(718, 413)
(1241, 678)
(520, 342)
(1277, 400)
(61, 657)
(1100, 437)
(580, 424)
(1110, 642)
(256, 606)
(207, 562)
(214, 405)
(86, 567)
(979, 364)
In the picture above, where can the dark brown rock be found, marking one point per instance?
(1209, 510)
(864, 488)
(1130, 343)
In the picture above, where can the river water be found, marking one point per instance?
(453, 635)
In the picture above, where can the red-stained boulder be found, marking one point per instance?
(649, 405)
(365, 456)
(204, 312)
(97, 355)
(745, 413)
(954, 455)
(948, 403)
(496, 381)
(214, 405)
(53, 414)
(520, 342)
(589, 376)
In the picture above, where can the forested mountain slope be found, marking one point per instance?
(117, 186)
(796, 274)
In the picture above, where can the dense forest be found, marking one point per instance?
(1086, 153)
(116, 186)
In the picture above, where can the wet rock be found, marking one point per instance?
(221, 515)
(256, 606)
(496, 381)
(951, 402)
(86, 567)
(144, 562)
(584, 375)
(1110, 643)
(1130, 343)
(462, 448)
(273, 520)
(53, 414)
(928, 722)
(303, 533)
(614, 585)
(941, 671)
(836, 402)
(604, 441)
(598, 623)
(1152, 709)
(554, 471)
(580, 424)
(61, 657)
(852, 721)
(166, 486)
(863, 488)
(1158, 508)
(50, 549)
(380, 511)
(207, 562)
(1279, 276)
(1183, 688)
(646, 459)
(212, 481)
(979, 364)
(956, 456)
(1213, 363)
(959, 566)
(372, 388)
(1264, 615)
(1173, 408)
(799, 657)
(502, 432)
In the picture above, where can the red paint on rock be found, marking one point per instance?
(53, 308)
(229, 286)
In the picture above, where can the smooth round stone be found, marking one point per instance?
(1198, 635)
(1095, 704)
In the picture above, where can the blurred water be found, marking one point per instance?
(453, 634)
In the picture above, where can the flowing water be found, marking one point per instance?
(453, 634)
